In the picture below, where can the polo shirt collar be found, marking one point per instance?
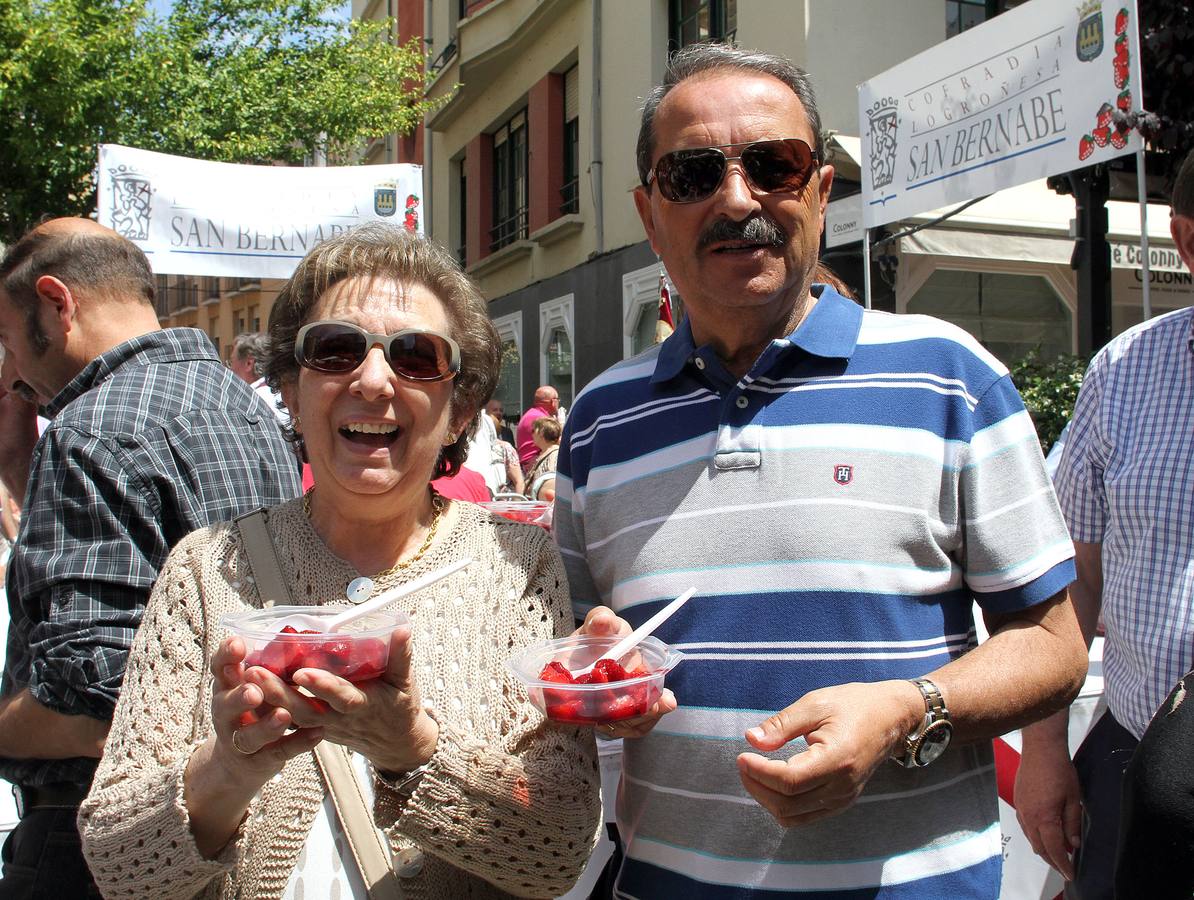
(165, 345)
(830, 330)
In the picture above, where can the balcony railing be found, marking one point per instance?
(570, 194)
(445, 57)
(508, 230)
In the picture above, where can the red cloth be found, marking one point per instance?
(527, 451)
(467, 485)
(464, 485)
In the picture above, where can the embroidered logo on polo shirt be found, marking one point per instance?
(843, 474)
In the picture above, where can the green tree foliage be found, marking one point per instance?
(1049, 389)
(252, 81)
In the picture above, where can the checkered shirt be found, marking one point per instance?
(1126, 481)
(152, 440)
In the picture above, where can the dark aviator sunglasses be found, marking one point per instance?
(689, 176)
(414, 354)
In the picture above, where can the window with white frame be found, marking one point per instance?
(640, 308)
(555, 348)
(509, 386)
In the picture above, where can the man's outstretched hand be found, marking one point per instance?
(851, 730)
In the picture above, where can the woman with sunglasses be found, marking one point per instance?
(383, 352)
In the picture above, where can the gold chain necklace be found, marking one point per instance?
(436, 501)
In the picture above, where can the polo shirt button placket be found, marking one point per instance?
(699, 363)
(742, 403)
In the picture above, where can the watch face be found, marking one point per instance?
(933, 742)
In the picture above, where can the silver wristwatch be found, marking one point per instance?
(927, 742)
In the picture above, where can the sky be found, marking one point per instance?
(163, 7)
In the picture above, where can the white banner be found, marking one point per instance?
(193, 217)
(1028, 94)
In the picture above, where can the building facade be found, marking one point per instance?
(222, 308)
(529, 163)
(529, 169)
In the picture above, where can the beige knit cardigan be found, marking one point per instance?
(510, 804)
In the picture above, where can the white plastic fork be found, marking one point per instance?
(628, 643)
(304, 622)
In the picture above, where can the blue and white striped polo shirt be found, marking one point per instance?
(1126, 482)
(837, 509)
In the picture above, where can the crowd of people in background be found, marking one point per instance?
(839, 487)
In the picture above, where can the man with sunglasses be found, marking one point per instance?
(839, 486)
(150, 438)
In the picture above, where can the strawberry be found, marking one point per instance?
(556, 673)
(1100, 136)
(625, 706)
(1121, 22)
(605, 671)
(1124, 101)
(282, 656)
(372, 657)
(1085, 147)
(1103, 119)
(333, 655)
(563, 706)
(1120, 69)
(1118, 140)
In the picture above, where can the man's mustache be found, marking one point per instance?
(757, 229)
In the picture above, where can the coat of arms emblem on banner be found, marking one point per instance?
(882, 122)
(385, 199)
(1090, 30)
(132, 203)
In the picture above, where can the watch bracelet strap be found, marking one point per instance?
(905, 754)
(402, 783)
(365, 844)
(932, 705)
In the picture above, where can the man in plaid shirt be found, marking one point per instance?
(1125, 484)
(151, 438)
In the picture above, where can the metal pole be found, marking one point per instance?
(866, 267)
(1142, 195)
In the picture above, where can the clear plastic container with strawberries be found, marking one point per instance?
(614, 690)
(359, 652)
(532, 512)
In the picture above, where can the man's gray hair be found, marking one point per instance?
(699, 58)
(1183, 188)
(252, 345)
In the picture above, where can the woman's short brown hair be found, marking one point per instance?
(548, 428)
(378, 250)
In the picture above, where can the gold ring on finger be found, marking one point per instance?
(237, 747)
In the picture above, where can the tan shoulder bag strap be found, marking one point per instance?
(371, 854)
(263, 557)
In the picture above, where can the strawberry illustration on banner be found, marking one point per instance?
(665, 325)
(411, 218)
(1106, 130)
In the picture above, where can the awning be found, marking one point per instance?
(844, 153)
(959, 242)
